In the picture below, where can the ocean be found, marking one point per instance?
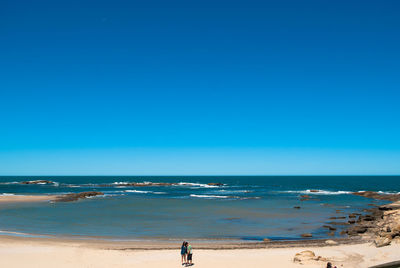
(247, 208)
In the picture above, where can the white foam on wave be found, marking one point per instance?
(210, 196)
(197, 185)
(120, 182)
(235, 191)
(107, 195)
(137, 191)
(383, 192)
(318, 192)
(6, 194)
(326, 192)
(73, 186)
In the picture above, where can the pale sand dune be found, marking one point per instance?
(25, 198)
(25, 252)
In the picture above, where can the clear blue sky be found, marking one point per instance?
(199, 87)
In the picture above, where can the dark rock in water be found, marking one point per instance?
(337, 223)
(339, 211)
(352, 216)
(351, 221)
(296, 207)
(305, 197)
(306, 235)
(37, 182)
(337, 218)
(356, 230)
(331, 233)
(76, 196)
(329, 227)
(366, 218)
(215, 184)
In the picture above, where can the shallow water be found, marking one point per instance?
(246, 208)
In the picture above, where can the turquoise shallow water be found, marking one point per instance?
(246, 208)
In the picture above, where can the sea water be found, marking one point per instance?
(243, 208)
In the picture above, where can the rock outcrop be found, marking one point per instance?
(381, 224)
(329, 227)
(305, 197)
(215, 184)
(76, 196)
(306, 235)
(331, 242)
(307, 256)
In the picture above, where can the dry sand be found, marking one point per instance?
(43, 253)
(25, 198)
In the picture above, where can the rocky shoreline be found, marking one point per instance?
(381, 224)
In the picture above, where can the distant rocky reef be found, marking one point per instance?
(76, 196)
(148, 184)
(38, 182)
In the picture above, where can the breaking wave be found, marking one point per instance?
(318, 192)
(197, 185)
(212, 196)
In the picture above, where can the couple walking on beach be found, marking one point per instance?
(186, 254)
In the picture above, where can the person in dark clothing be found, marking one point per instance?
(184, 252)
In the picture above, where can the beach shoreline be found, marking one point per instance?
(158, 244)
(21, 250)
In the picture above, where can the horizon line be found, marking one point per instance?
(210, 175)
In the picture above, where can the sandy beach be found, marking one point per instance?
(25, 198)
(37, 252)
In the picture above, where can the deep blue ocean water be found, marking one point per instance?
(245, 207)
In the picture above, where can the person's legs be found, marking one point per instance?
(190, 258)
